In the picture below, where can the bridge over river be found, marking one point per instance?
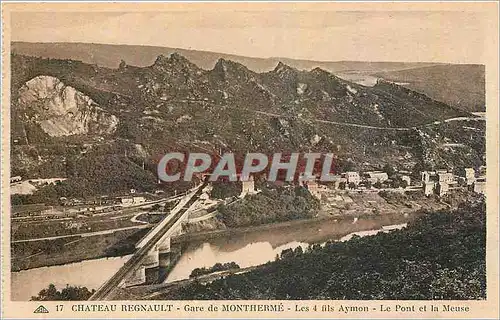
(157, 241)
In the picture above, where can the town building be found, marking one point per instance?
(437, 182)
(352, 177)
(315, 189)
(442, 188)
(50, 211)
(470, 176)
(445, 177)
(425, 176)
(406, 178)
(428, 187)
(15, 179)
(247, 187)
(138, 200)
(376, 176)
(480, 186)
(129, 201)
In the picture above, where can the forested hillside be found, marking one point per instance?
(439, 256)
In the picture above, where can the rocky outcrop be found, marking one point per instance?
(62, 110)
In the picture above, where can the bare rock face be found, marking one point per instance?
(61, 110)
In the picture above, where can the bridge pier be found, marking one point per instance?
(137, 278)
(164, 246)
(164, 251)
(152, 259)
(165, 260)
(176, 232)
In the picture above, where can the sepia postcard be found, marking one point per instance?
(250, 160)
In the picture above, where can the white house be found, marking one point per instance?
(470, 176)
(442, 188)
(406, 178)
(352, 177)
(138, 200)
(445, 177)
(247, 187)
(127, 201)
(376, 176)
(429, 187)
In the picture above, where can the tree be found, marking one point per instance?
(156, 207)
(395, 183)
(345, 165)
(70, 293)
(377, 185)
(122, 65)
(389, 170)
(215, 268)
(403, 184)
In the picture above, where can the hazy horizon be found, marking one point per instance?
(246, 56)
(329, 36)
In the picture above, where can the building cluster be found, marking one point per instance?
(131, 201)
(438, 182)
(441, 181)
(15, 179)
(101, 205)
(103, 201)
(366, 179)
(70, 207)
(43, 212)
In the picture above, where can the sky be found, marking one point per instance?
(419, 36)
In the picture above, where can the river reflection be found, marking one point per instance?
(247, 252)
(207, 254)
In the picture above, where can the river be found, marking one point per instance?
(249, 248)
(248, 252)
(89, 273)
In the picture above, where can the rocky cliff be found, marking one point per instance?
(61, 110)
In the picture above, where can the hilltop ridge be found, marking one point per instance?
(461, 86)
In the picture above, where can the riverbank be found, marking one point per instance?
(390, 208)
(31, 255)
(350, 224)
(231, 245)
